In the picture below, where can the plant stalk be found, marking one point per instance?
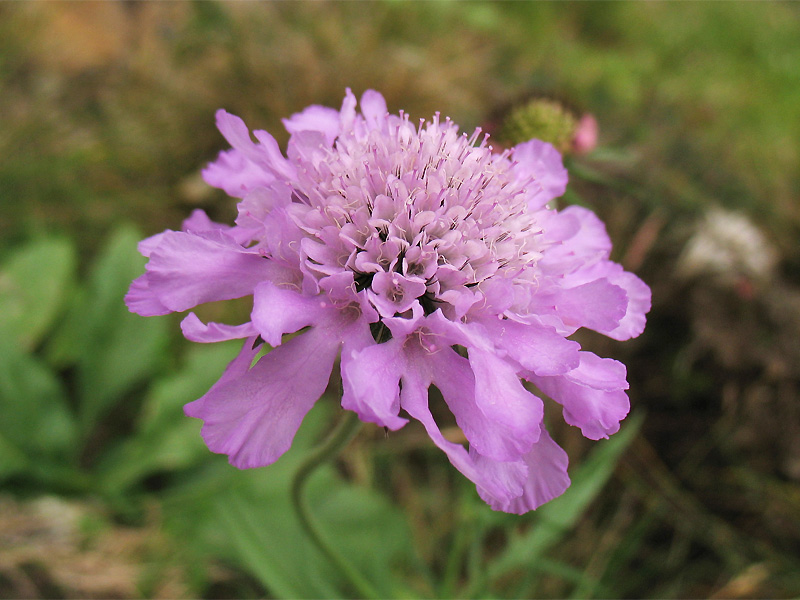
(342, 434)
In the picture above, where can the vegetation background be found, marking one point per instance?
(106, 117)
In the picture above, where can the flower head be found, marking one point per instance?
(419, 256)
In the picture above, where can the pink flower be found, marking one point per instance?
(394, 245)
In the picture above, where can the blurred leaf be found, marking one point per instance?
(166, 439)
(112, 348)
(274, 549)
(247, 516)
(368, 530)
(555, 519)
(34, 282)
(12, 459)
(36, 418)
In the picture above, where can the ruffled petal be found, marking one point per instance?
(142, 301)
(195, 330)
(598, 305)
(277, 311)
(579, 240)
(322, 119)
(373, 107)
(535, 347)
(253, 416)
(266, 154)
(592, 395)
(639, 298)
(541, 162)
(503, 481)
(234, 173)
(237, 368)
(547, 478)
(187, 269)
(500, 396)
(490, 428)
(370, 379)
(637, 293)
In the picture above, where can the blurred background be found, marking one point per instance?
(107, 117)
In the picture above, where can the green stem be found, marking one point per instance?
(344, 431)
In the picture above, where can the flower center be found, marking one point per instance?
(418, 215)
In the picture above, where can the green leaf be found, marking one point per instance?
(34, 282)
(368, 530)
(247, 516)
(166, 439)
(112, 348)
(36, 418)
(12, 459)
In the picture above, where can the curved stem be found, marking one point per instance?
(341, 435)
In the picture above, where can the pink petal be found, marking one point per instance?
(580, 239)
(237, 368)
(370, 379)
(373, 107)
(535, 347)
(233, 172)
(541, 162)
(253, 416)
(147, 245)
(266, 155)
(598, 305)
(199, 221)
(500, 395)
(502, 480)
(592, 395)
(637, 293)
(142, 301)
(633, 323)
(195, 330)
(547, 478)
(278, 310)
(187, 269)
(493, 430)
(347, 114)
(315, 118)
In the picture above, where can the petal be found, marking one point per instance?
(236, 174)
(147, 245)
(490, 429)
(592, 395)
(253, 416)
(347, 114)
(535, 347)
(503, 482)
(541, 162)
(637, 293)
(235, 369)
(501, 397)
(547, 478)
(188, 269)
(278, 310)
(639, 302)
(373, 107)
(266, 155)
(142, 301)
(370, 377)
(579, 237)
(199, 221)
(322, 119)
(598, 305)
(195, 330)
